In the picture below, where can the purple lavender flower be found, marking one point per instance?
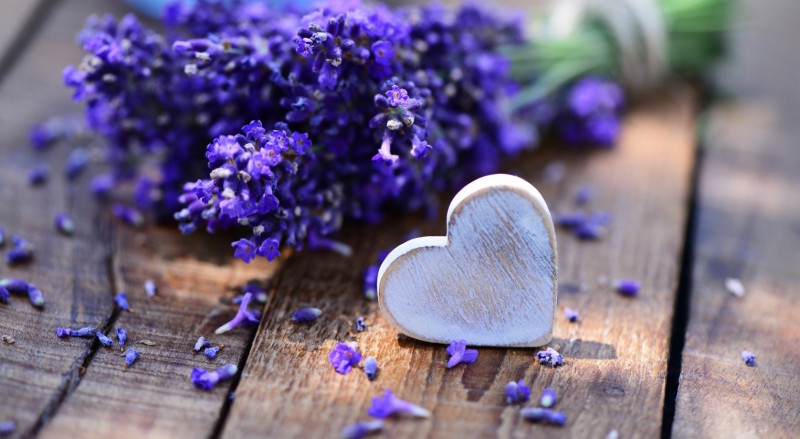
(7, 427)
(589, 231)
(35, 295)
(64, 224)
(14, 286)
(211, 353)
(86, 332)
(371, 367)
(383, 52)
(131, 355)
(122, 335)
(150, 288)
(343, 357)
(384, 406)
(548, 398)
(205, 380)
(121, 300)
(627, 287)
(362, 429)
(243, 316)
(537, 414)
(517, 391)
(749, 358)
(201, 343)
(551, 356)
(63, 332)
(128, 215)
(591, 113)
(105, 341)
(460, 354)
(304, 315)
(76, 163)
(38, 174)
(360, 325)
(571, 314)
(5, 295)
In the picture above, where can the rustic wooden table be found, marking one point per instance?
(686, 217)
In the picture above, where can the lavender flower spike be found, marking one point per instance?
(122, 301)
(384, 406)
(548, 398)
(105, 341)
(361, 429)
(627, 287)
(64, 224)
(201, 343)
(150, 288)
(7, 427)
(131, 355)
(242, 316)
(343, 357)
(371, 367)
(537, 414)
(304, 315)
(35, 295)
(749, 358)
(551, 356)
(121, 337)
(206, 380)
(460, 354)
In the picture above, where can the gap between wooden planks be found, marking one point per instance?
(616, 356)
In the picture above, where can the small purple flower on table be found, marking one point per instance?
(64, 224)
(243, 316)
(550, 356)
(571, 314)
(86, 332)
(244, 249)
(360, 325)
(121, 300)
(460, 354)
(371, 367)
(122, 335)
(384, 53)
(304, 315)
(627, 287)
(361, 429)
(205, 380)
(4, 294)
(384, 406)
(211, 353)
(105, 341)
(201, 343)
(128, 215)
(131, 355)
(38, 174)
(150, 288)
(7, 427)
(35, 295)
(549, 398)
(544, 415)
(517, 391)
(63, 332)
(343, 357)
(749, 358)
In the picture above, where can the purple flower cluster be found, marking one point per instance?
(362, 109)
(591, 112)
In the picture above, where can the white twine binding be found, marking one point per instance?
(637, 27)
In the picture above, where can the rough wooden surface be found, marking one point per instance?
(615, 357)
(748, 228)
(15, 16)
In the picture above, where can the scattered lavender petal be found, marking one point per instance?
(571, 314)
(550, 356)
(537, 414)
(206, 380)
(343, 357)
(548, 398)
(201, 343)
(517, 391)
(122, 335)
(150, 287)
(64, 224)
(360, 325)
(63, 332)
(211, 353)
(76, 163)
(361, 429)
(35, 295)
(15, 286)
(105, 341)
(305, 315)
(243, 316)
(460, 354)
(131, 355)
(101, 185)
(121, 300)
(749, 358)
(7, 427)
(627, 287)
(38, 174)
(384, 406)
(86, 332)
(734, 287)
(128, 215)
(371, 367)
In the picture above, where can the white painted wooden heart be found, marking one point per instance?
(491, 281)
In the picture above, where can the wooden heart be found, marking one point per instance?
(491, 281)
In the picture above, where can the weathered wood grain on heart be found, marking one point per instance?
(615, 357)
(748, 228)
(492, 281)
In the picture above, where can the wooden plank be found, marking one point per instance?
(155, 397)
(748, 213)
(39, 369)
(615, 357)
(15, 17)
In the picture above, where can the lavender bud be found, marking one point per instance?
(571, 314)
(64, 224)
(105, 341)
(201, 343)
(150, 287)
(7, 427)
(15, 286)
(38, 175)
(627, 287)
(361, 429)
(121, 300)
(4, 295)
(76, 162)
(211, 353)
(749, 358)
(371, 367)
(548, 398)
(35, 295)
(304, 315)
(63, 332)
(86, 331)
(360, 325)
(131, 355)
(121, 337)
(537, 414)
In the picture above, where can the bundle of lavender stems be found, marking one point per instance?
(284, 123)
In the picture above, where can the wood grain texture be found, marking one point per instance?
(491, 281)
(39, 369)
(615, 357)
(15, 15)
(748, 228)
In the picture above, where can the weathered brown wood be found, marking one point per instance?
(748, 214)
(615, 357)
(39, 369)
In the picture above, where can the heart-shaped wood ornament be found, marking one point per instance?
(491, 281)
